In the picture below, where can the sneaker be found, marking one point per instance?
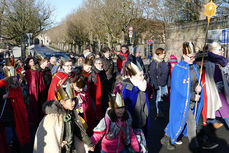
(217, 125)
(179, 142)
(210, 145)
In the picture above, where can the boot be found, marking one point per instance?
(166, 141)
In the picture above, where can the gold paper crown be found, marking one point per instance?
(188, 48)
(116, 101)
(89, 61)
(132, 69)
(65, 92)
(9, 73)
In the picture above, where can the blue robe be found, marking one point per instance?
(180, 100)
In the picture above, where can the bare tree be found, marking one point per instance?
(24, 16)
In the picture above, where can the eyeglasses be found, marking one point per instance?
(99, 63)
(191, 57)
(68, 65)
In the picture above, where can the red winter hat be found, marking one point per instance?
(173, 59)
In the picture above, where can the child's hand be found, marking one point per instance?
(91, 149)
(197, 97)
(5, 96)
(63, 144)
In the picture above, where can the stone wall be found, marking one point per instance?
(178, 33)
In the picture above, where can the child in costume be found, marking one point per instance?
(60, 131)
(13, 115)
(135, 96)
(79, 82)
(115, 129)
(184, 89)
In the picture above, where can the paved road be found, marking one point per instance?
(156, 133)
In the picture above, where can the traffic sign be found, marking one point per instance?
(131, 28)
(149, 42)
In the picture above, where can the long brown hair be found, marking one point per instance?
(10, 82)
(113, 116)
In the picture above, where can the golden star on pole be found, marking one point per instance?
(210, 10)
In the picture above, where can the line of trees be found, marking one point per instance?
(106, 22)
(100, 22)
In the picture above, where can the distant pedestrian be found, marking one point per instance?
(122, 58)
(159, 74)
(108, 66)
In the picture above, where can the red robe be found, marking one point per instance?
(95, 93)
(84, 97)
(20, 115)
(4, 147)
(58, 78)
(32, 77)
(91, 115)
(3, 141)
(204, 110)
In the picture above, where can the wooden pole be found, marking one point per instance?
(202, 63)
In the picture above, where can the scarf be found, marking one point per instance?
(140, 84)
(217, 59)
(157, 59)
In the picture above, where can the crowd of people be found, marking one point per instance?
(91, 103)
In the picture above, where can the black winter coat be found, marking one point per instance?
(159, 73)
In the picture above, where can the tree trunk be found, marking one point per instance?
(1, 15)
(109, 40)
(23, 53)
(123, 38)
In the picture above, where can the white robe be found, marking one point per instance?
(213, 100)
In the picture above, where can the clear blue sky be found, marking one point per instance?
(63, 7)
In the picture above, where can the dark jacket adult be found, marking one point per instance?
(99, 85)
(108, 66)
(7, 118)
(159, 72)
(47, 76)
